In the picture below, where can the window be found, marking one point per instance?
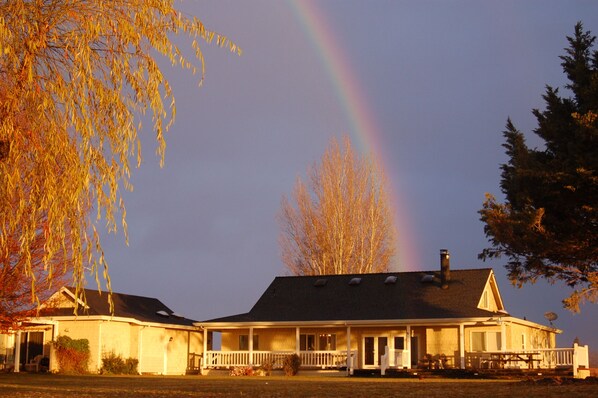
(307, 342)
(484, 303)
(327, 342)
(244, 342)
(324, 342)
(399, 343)
(485, 341)
(523, 342)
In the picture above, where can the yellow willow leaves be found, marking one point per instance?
(76, 76)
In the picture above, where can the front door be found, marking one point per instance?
(373, 349)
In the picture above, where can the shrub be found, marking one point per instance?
(241, 371)
(72, 355)
(267, 367)
(291, 365)
(116, 365)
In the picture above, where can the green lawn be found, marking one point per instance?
(50, 386)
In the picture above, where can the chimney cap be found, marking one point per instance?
(444, 252)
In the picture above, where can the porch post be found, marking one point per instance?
(462, 346)
(17, 352)
(349, 357)
(408, 347)
(205, 348)
(298, 341)
(250, 346)
(503, 336)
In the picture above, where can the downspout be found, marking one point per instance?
(99, 362)
(188, 348)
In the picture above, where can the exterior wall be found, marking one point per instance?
(443, 341)
(523, 337)
(176, 351)
(7, 344)
(153, 348)
(90, 330)
(115, 338)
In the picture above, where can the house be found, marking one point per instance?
(444, 318)
(140, 327)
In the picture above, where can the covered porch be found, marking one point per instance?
(341, 345)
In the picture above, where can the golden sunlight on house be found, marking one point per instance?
(368, 322)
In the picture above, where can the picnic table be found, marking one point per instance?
(500, 358)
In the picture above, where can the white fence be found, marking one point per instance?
(309, 359)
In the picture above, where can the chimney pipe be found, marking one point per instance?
(445, 268)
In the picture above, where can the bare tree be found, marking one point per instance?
(340, 221)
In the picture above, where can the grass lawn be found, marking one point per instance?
(50, 386)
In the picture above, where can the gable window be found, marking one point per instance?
(485, 303)
(485, 341)
(244, 342)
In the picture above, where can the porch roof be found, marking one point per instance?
(411, 296)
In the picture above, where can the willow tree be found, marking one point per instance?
(339, 221)
(82, 73)
(548, 226)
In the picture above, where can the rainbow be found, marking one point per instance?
(361, 118)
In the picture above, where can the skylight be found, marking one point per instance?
(428, 278)
(162, 313)
(390, 280)
(321, 282)
(354, 281)
(177, 315)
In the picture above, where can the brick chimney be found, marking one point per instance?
(445, 268)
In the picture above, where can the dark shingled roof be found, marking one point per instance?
(143, 309)
(296, 298)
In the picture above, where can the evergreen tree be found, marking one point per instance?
(548, 225)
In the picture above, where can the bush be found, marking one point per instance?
(267, 366)
(116, 365)
(241, 371)
(72, 355)
(291, 365)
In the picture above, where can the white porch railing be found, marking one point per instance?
(550, 358)
(555, 357)
(310, 359)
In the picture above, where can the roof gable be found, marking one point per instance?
(412, 295)
(490, 298)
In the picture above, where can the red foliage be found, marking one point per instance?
(18, 300)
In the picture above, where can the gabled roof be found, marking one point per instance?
(143, 309)
(411, 296)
